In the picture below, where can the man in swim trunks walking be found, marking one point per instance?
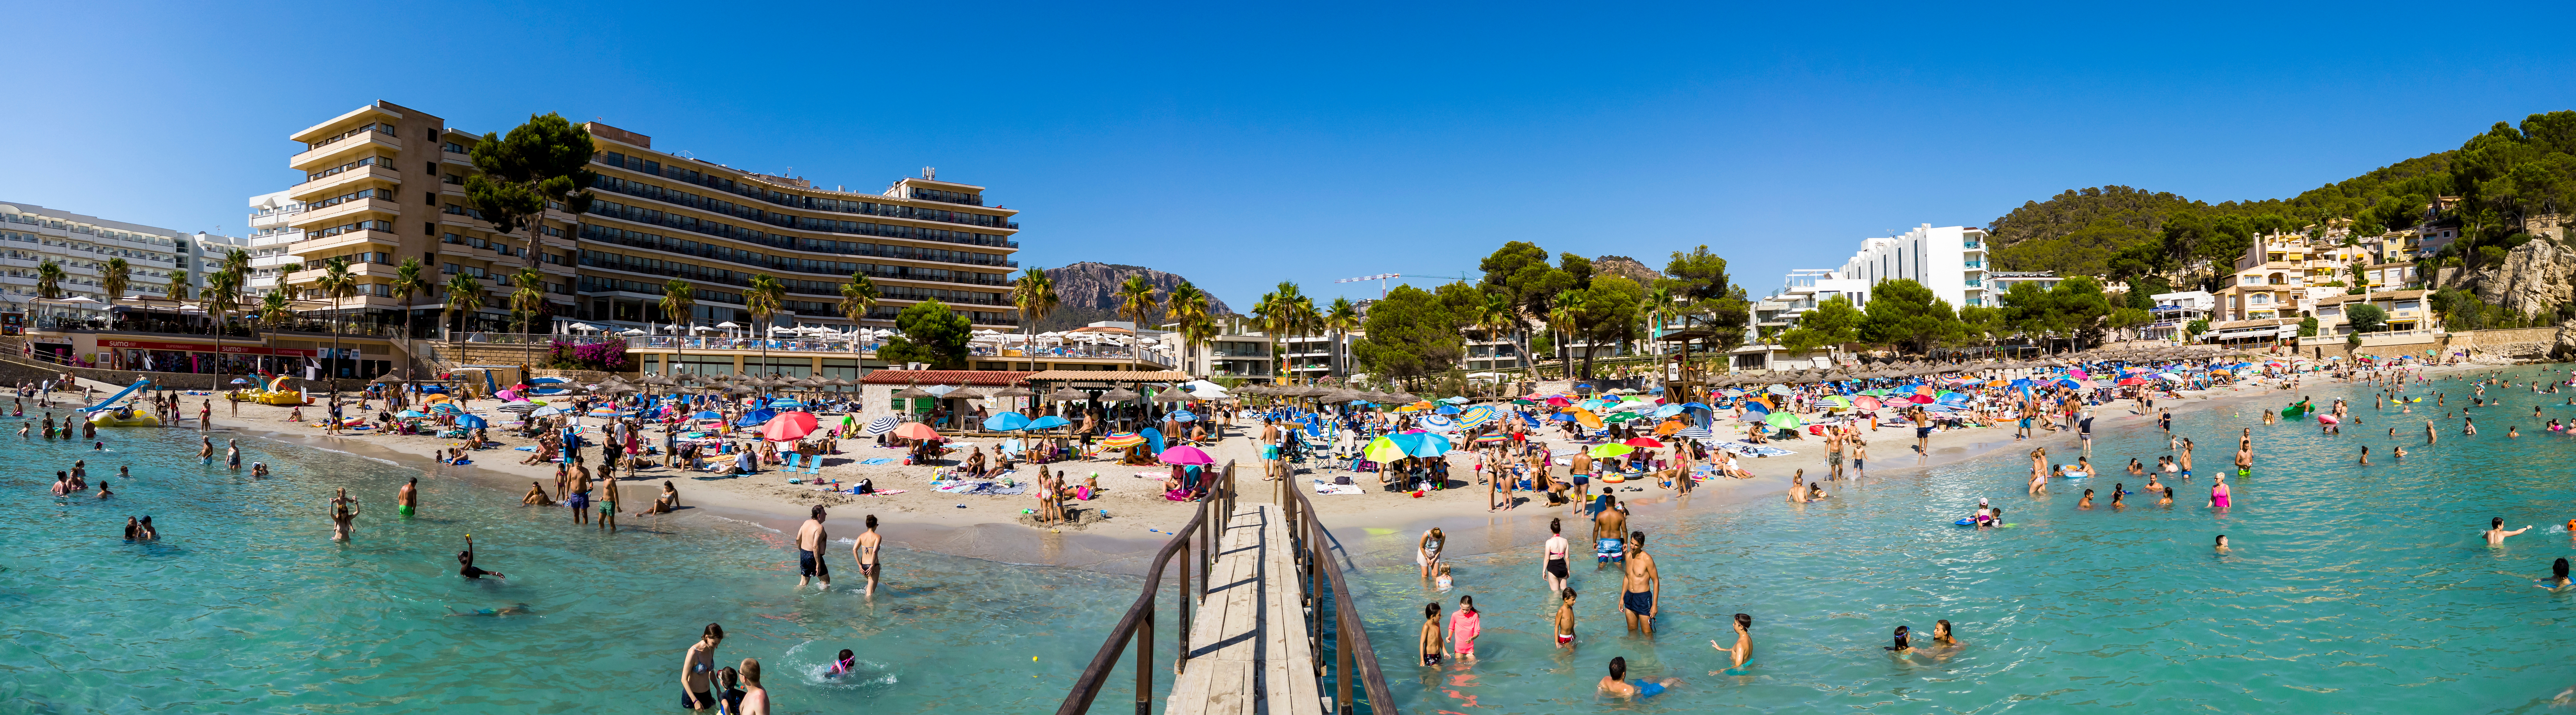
(1641, 586)
(810, 539)
(1609, 529)
(408, 500)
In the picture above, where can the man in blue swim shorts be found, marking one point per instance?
(1618, 683)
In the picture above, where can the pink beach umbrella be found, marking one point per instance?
(1186, 454)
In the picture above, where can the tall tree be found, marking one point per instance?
(1343, 318)
(336, 283)
(1705, 297)
(1831, 323)
(408, 283)
(1410, 334)
(1611, 311)
(274, 309)
(464, 297)
(857, 298)
(223, 299)
(547, 159)
(930, 333)
(766, 297)
(1034, 294)
(179, 286)
(1189, 307)
(1136, 302)
(680, 307)
(527, 301)
(1904, 314)
(115, 277)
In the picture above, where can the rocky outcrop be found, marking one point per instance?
(2534, 279)
(1085, 293)
(2563, 347)
(1626, 267)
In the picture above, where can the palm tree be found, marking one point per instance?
(679, 300)
(336, 283)
(178, 286)
(464, 295)
(223, 298)
(49, 280)
(1034, 294)
(408, 282)
(1136, 302)
(1189, 307)
(763, 301)
(857, 298)
(1283, 311)
(273, 309)
(1308, 322)
(116, 277)
(1560, 322)
(1341, 319)
(526, 302)
(1495, 316)
(1268, 313)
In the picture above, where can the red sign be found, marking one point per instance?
(200, 348)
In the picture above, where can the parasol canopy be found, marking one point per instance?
(788, 426)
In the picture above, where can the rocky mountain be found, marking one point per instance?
(1085, 293)
(2534, 279)
(1625, 267)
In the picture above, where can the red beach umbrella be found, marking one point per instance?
(788, 426)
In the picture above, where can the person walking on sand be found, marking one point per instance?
(810, 539)
(868, 549)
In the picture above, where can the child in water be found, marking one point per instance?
(843, 665)
(1445, 582)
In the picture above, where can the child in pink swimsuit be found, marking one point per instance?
(1464, 625)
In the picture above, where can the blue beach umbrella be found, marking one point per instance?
(756, 418)
(446, 409)
(1446, 410)
(1006, 422)
(1184, 416)
(1047, 422)
(701, 415)
(472, 422)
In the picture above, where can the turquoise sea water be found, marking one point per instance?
(2349, 589)
(245, 605)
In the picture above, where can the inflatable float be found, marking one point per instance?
(125, 416)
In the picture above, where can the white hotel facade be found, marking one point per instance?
(1952, 261)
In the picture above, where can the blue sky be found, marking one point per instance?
(1245, 145)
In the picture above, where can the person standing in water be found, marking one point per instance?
(1742, 651)
(697, 670)
(1565, 619)
(1552, 559)
(1426, 553)
(407, 501)
(1609, 531)
(206, 450)
(810, 540)
(344, 516)
(232, 454)
(869, 549)
(1641, 586)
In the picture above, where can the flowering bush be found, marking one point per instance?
(606, 357)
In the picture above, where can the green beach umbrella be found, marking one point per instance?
(1783, 420)
(1610, 450)
(1621, 417)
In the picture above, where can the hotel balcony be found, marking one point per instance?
(346, 212)
(343, 150)
(351, 178)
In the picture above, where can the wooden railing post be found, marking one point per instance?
(1181, 644)
(1342, 672)
(1145, 657)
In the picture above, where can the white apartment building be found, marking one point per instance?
(1951, 261)
(32, 235)
(270, 232)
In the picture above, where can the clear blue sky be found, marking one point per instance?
(1241, 146)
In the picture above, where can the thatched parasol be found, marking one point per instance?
(1119, 395)
(1014, 391)
(913, 393)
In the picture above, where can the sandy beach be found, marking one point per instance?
(1138, 517)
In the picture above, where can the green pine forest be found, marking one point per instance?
(2501, 177)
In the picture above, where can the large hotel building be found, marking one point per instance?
(383, 183)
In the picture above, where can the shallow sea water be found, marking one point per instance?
(245, 605)
(2348, 588)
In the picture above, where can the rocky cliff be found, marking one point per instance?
(2534, 278)
(1085, 293)
(1626, 267)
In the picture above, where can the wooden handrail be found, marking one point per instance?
(1138, 624)
(1350, 634)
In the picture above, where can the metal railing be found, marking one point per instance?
(1311, 544)
(1138, 624)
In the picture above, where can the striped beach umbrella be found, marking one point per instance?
(1122, 440)
(1476, 416)
(883, 425)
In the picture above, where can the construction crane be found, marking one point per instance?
(1382, 278)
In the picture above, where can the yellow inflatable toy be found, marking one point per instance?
(273, 393)
(124, 416)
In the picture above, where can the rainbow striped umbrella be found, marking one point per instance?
(1122, 440)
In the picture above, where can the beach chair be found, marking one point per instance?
(1014, 449)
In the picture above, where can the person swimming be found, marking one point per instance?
(845, 664)
(1618, 683)
(1902, 646)
(521, 609)
(2558, 576)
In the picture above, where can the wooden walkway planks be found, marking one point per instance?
(1248, 644)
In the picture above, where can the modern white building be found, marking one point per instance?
(32, 235)
(270, 232)
(2174, 311)
(1951, 261)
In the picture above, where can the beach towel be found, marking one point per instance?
(883, 492)
(1324, 488)
(879, 460)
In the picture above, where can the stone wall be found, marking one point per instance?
(17, 371)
